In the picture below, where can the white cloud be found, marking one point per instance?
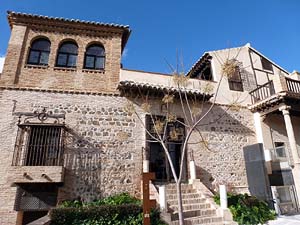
(2, 58)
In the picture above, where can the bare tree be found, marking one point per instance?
(192, 111)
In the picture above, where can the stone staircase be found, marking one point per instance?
(198, 206)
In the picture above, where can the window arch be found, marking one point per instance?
(67, 54)
(39, 52)
(94, 57)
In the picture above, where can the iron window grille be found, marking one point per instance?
(235, 81)
(39, 52)
(39, 144)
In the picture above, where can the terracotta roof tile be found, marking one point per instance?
(12, 13)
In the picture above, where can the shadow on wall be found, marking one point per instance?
(97, 168)
(221, 160)
(206, 178)
(82, 162)
(278, 129)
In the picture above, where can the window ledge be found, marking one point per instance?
(65, 68)
(36, 66)
(93, 71)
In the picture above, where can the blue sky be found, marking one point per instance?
(162, 28)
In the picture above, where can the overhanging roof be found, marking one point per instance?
(132, 87)
(24, 18)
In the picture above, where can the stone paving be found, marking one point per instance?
(286, 220)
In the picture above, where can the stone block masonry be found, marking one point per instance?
(103, 151)
(220, 159)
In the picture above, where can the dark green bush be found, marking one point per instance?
(119, 199)
(248, 209)
(104, 214)
(120, 209)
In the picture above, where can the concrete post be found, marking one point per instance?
(223, 196)
(145, 166)
(162, 197)
(293, 145)
(258, 127)
(192, 170)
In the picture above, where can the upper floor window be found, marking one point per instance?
(266, 64)
(39, 52)
(67, 54)
(235, 80)
(94, 57)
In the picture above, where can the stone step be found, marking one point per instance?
(187, 201)
(183, 186)
(191, 206)
(184, 196)
(195, 213)
(200, 220)
(183, 191)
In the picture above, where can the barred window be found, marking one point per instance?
(235, 81)
(39, 52)
(39, 145)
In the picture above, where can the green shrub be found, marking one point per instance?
(248, 209)
(121, 209)
(119, 199)
(104, 214)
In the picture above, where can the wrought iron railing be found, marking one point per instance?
(262, 92)
(293, 85)
(39, 145)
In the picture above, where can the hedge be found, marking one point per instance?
(103, 214)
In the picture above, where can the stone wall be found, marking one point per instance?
(219, 157)
(103, 153)
(105, 144)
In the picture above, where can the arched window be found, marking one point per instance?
(94, 57)
(67, 55)
(39, 52)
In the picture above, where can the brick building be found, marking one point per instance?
(65, 133)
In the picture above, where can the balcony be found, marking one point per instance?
(38, 154)
(280, 89)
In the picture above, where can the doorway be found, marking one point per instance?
(158, 161)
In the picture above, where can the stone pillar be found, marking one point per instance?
(145, 166)
(293, 145)
(258, 127)
(162, 198)
(192, 171)
(223, 196)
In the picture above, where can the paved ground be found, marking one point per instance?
(286, 220)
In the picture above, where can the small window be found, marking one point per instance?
(235, 81)
(39, 52)
(94, 57)
(280, 150)
(266, 65)
(67, 55)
